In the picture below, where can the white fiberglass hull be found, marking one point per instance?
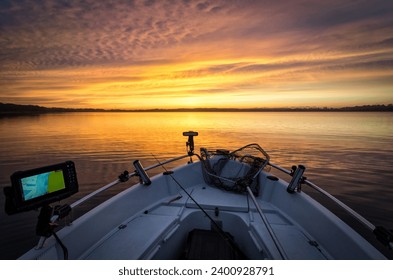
(154, 222)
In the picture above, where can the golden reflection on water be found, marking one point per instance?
(320, 140)
(349, 154)
(108, 135)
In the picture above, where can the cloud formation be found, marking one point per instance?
(129, 54)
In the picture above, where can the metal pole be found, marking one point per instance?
(342, 204)
(114, 183)
(269, 228)
(90, 195)
(165, 162)
(356, 215)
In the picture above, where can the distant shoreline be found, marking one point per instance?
(8, 109)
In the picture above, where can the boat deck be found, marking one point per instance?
(142, 237)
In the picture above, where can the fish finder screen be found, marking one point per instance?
(42, 184)
(34, 188)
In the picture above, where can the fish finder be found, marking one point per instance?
(32, 189)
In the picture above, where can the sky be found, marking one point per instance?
(188, 54)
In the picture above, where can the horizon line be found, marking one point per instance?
(17, 108)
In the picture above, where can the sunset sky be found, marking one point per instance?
(180, 54)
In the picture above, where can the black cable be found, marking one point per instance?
(65, 250)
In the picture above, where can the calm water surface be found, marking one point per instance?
(348, 154)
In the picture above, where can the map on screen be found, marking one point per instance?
(41, 184)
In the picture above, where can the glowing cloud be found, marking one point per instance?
(166, 54)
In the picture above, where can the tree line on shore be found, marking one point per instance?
(16, 109)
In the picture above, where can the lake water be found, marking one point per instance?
(348, 154)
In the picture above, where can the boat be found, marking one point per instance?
(219, 205)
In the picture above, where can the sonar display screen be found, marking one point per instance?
(41, 184)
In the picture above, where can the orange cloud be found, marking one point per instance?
(160, 54)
